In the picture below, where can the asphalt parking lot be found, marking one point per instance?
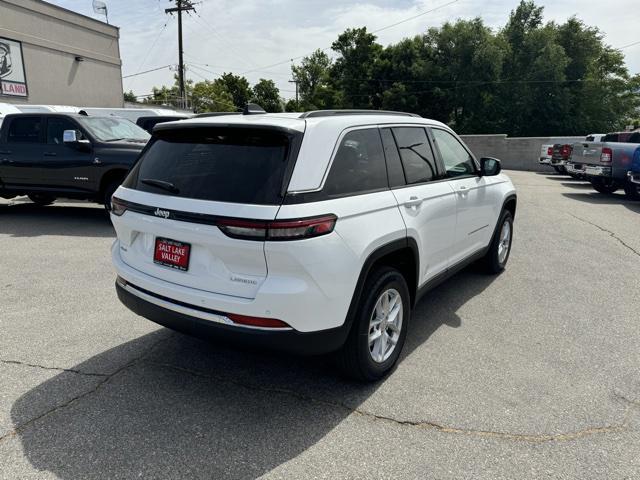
(532, 374)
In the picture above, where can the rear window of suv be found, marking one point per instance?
(237, 165)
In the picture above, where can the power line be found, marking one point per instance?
(146, 57)
(378, 30)
(629, 45)
(147, 71)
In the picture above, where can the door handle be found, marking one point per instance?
(413, 202)
(462, 189)
(50, 154)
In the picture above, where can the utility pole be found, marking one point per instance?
(296, 81)
(181, 6)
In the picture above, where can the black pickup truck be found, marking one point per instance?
(66, 155)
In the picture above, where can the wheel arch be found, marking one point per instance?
(402, 254)
(113, 175)
(510, 203)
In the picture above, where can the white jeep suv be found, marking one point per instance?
(313, 232)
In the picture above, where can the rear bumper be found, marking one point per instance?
(575, 168)
(289, 340)
(597, 171)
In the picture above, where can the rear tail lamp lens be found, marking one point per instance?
(565, 151)
(118, 207)
(550, 151)
(257, 321)
(295, 229)
(606, 155)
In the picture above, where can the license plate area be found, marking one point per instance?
(172, 253)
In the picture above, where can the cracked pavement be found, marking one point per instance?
(533, 374)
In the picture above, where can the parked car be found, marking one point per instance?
(561, 155)
(607, 164)
(634, 175)
(51, 155)
(595, 137)
(546, 152)
(312, 233)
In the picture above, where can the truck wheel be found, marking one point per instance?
(42, 200)
(108, 193)
(606, 186)
(496, 258)
(379, 329)
(632, 190)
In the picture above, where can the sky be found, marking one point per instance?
(258, 38)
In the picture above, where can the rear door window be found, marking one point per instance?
(415, 152)
(237, 165)
(358, 165)
(25, 130)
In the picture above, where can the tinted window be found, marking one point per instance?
(24, 130)
(457, 160)
(416, 154)
(634, 138)
(56, 128)
(358, 165)
(394, 164)
(220, 164)
(610, 137)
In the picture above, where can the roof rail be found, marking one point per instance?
(332, 113)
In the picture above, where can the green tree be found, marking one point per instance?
(208, 96)
(238, 86)
(314, 82)
(351, 73)
(130, 96)
(267, 95)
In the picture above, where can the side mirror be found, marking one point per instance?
(490, 166)
(70, 138)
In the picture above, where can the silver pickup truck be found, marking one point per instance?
(607, 164)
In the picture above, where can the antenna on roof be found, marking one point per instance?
(252, 109)
(101, 8)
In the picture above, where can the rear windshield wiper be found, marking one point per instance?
(168, 186)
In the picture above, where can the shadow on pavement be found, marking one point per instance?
(31, 220)
(601, 199)
(189, 408)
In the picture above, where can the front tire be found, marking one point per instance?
(497, 257)
(42, 200)
(606, 186)
(632, 190)
(380, 327)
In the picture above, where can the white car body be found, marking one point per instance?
(309, 284)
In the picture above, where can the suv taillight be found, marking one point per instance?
(565, 151)
(295, 229)
(550, 151)
(118, 207)
(606, 155)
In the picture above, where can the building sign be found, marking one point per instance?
(12, 79)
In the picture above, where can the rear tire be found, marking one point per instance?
(108, 193)
(605, 186)
(42, 200)
(495, 260)
(361, 358)
(632, 190)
